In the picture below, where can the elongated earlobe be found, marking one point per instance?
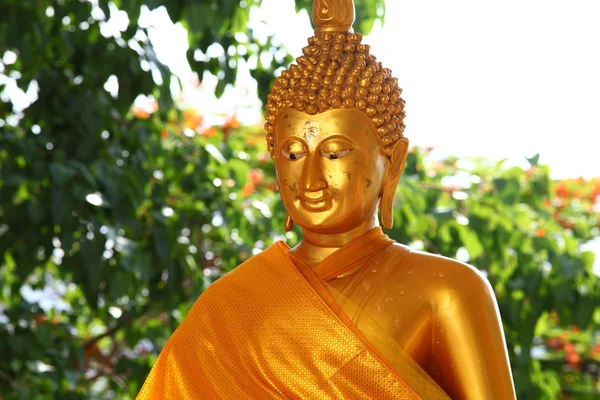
(386, 205)
(289, 223)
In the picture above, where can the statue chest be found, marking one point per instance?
(397, 302)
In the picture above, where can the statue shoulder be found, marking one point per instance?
(251, 266)
(452, 274)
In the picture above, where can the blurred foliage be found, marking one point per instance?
(113, 219)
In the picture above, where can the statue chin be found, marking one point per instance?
(326, 221)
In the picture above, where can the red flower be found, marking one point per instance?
(231, 123)
(212, 131)
(573, 360)
(561, 189)
(255, 176)
(541, 232)
(595, 351)
(39, 319)
(141, 113)
(191, 119)
(248, 189)
(555, 343)
(568, 348)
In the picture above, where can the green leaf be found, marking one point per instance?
(508, 189)
(92, 269)
(61, 205)
(161, 241)
(61, 173)
(470, 241)
(220, 89)
(37, 211)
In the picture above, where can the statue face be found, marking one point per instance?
(330, 168)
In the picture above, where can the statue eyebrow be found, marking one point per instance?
(287, 141)
(291, 133)
(338, 137)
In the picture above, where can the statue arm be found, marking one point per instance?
(470, 352)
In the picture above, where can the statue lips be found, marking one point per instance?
(316, 204)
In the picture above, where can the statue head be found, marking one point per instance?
(335, 128)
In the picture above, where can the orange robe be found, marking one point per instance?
(271, 329)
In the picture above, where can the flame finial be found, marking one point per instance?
(333, 15)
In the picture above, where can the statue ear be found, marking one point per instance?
(388, 190)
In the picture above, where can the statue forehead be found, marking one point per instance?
(348, 122)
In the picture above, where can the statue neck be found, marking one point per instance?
(315, 247)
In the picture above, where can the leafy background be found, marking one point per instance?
(114, 218)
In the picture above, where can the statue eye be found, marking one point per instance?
(335, 155)
(294, 156)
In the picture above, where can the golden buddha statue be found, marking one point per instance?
(348, 313)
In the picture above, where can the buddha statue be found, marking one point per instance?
(348, 312)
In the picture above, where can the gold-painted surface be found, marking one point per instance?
(264, 332)
(333, 15)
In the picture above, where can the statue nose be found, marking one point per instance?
(312, 176)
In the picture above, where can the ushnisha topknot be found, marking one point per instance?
(337, 71)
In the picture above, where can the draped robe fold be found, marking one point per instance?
(273, 328)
